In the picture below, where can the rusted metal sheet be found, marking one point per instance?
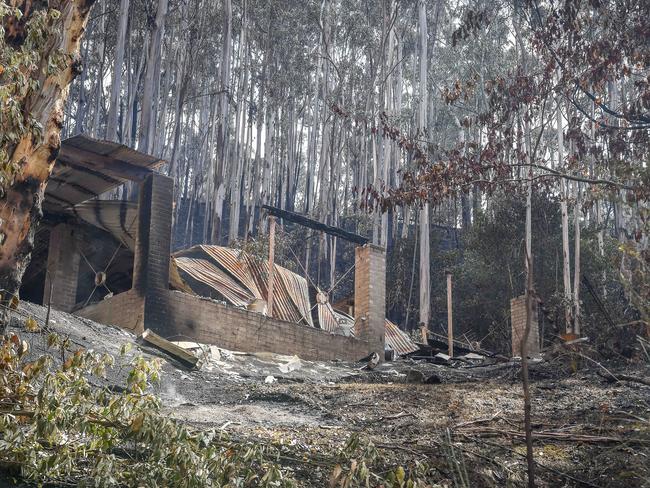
(241, 279)
(298, 292)
(338, 322)
(283, 306)
(232, 261)
(118, 217)
(398, 340)
(334, 321)
(87, 167)
(206, 272)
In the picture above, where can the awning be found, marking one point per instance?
(86, 167)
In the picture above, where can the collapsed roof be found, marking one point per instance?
(240, 279)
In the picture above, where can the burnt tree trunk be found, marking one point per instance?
(21, 203)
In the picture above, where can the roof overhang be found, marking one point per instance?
(86, 168)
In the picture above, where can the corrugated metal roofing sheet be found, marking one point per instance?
(113, 150)
(334, 321)
(70, 183)
(339, 322)
(398, 340)
(241, 279)
(206, 272)
(118, 217)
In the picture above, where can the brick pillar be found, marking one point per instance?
(370, 296)
(62, 272)
(518, 321)
(152, 250)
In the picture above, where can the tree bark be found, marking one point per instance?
(566, 258)
(217, 190)
(111, 124)
(151, 79)
(425, 280)
(21, 204)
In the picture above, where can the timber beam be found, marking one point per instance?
(315, 224)
(112, 167)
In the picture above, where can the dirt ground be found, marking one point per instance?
(464, 423)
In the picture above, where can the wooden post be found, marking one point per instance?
(269, 299)
(450, 322)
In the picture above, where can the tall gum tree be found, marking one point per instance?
(39, 57)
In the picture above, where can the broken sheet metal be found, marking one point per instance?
(117, 217)
(87, 168)
(334, 321)
(283, 305)
(232, 261)
(398, 340)
(338, 322)
(207, 273)
(241, 279)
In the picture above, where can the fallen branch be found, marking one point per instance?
(562, 436)
(616, 378)
(393, 417)
(478, 421)
(624, 377)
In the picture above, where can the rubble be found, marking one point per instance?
(181, 355)
(587, 430)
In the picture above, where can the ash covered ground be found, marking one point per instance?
(465, 420)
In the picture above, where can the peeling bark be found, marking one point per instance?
(21, 205)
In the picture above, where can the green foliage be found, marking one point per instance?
(22, 65)
(491, 272)
(488, 270)
(357, 466)
(59, 425)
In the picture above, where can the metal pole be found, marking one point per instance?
(269, 300)
(450, 321)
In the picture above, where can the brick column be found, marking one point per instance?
(152, 250)
(518, 321)
(62, 272)
(370, 296)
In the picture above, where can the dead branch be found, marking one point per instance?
(552, 435)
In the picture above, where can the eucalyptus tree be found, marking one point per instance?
(39, 51)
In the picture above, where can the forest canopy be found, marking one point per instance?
(404, 120)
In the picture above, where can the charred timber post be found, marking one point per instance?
(269, 299)
(315, 224)
(450, 321)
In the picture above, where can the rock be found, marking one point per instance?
(415, 376)
(434, 379)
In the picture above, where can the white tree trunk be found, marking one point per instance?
(425, 284)
(566, 258)
(151, 78)
(111, 124)
(576, 265)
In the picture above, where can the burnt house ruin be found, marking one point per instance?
(109, 260)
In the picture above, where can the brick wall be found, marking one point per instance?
(370, 296)
(152, 251)
(175, 315)
(125, 310)
(62, 269)
(211, 322)
(518, 322)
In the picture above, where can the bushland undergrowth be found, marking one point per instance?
(59, 426)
